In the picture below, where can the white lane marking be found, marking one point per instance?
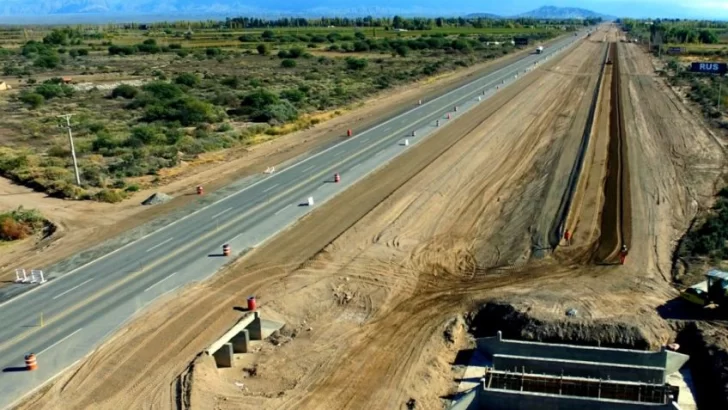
(301, 162)
(72, 289)
(160, 281)
(308, 168)
(226, 210)
(271, 187)
(159, 244)
(58, 342)
(283, 209)
(354, 167)
(387, 129)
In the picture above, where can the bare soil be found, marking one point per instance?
(375, 318)
(81, 225)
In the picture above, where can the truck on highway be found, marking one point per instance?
(539, 49)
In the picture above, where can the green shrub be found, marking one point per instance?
(188, 79)
(288, 63)
(132, 188)
(47, 61)
(125, 91)
(356, 63)
(110, 195)
(33, 100)
(262, 49)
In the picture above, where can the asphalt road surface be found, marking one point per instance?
(64, 319)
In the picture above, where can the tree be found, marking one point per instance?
(356, 63)
(397, 22)
(50, 60)
(707, 37)
(262, 49)
(268, 35)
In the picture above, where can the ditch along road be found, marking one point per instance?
(367, 276)
(64, 320)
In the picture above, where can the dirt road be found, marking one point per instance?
(374, 319)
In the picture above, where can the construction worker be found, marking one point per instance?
(623, 254)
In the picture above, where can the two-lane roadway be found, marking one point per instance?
(80, 309)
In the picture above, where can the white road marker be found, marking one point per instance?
(159, 244)
(72, 289)
(58, 342)
(270, 187)
(281, 210)
(308, 168)
(222, 212)
(160, 281)
(387, 129)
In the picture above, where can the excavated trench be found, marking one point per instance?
(616, 220)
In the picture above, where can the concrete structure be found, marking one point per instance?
(534, 375)
(90, 295)
(238, 338)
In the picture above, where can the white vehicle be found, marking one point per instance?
(539, 50)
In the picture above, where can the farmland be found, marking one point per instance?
(148, 99)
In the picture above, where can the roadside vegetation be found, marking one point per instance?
(20, 224)
(146, 98)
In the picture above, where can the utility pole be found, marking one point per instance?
(67, 117)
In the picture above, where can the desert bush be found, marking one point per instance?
(110, 195)
(188, 79)
(33, 100)
(125, 91)
(288, 63)
(20, 223)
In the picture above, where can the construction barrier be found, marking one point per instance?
(226, 250)
(337, 178)
(310, 201)
(413, 133)
(199, 190)
(437, 123)
(31, 363)
(348, 133)
(251, 303)
(406, 142)
(456, 108)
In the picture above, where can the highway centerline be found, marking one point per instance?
(222, 212)
(58, 342)
(159, 244)
(282, 209)
(160, 281)
(73, 288)
(271, 187)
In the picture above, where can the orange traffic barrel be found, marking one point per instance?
(30, 362)
(348, 133)
(199, 189)
(226, 250)
(251, 303)
(337, 178)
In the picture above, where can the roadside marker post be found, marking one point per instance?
(33, 279)
(41, 279)
(406, 142)
(310, 201)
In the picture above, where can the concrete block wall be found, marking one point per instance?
(497, 345)
(508, 400)
(556, 367)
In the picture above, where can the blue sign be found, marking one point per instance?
(709, 68)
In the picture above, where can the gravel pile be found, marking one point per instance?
(157, 198)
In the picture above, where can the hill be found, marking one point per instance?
(552, 12)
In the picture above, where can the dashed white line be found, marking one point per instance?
(159, 244)
(268, 189)
(58, 342)
(387, 129)
(308, 168)
(221, 212)
(160, 281)
(72, 289)
(281, 210)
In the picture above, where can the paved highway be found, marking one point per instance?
(79, 309)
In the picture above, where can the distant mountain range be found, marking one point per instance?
(550, 12)
(115, 10)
